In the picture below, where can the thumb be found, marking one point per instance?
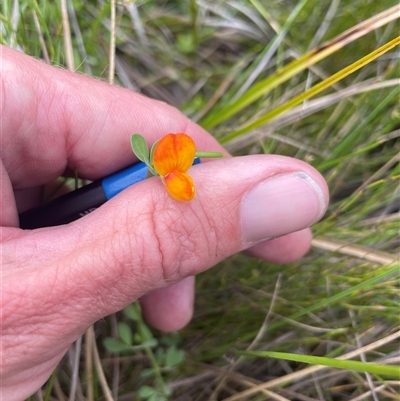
(57, 281)
(142, 239)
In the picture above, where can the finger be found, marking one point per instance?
(142, 240)
(60, 280)
(8, 210)
(54, 120)
(170, 308)
(285, 249)
(45, 107)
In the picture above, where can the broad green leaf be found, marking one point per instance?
(115, 345)
(125, 333)
(145, 332)
(132, 312)
(140, 148)
(146, 392)
(157, 397)
(174, 356)
(153, 342)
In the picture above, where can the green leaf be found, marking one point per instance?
(120, 345)
(125, 333)
(147, 344)
(373, 368)
(132, 312)
(170, 339)
(157, 397)
(146, 392)
(153, 342)
(159, 355)
(146, 373)
(185, 43)
(140, 148)
(115, 345)
(174, 356)
(145, 332)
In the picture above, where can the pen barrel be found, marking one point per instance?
(66, 208)
(85, 200)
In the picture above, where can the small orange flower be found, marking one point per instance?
(173, 156)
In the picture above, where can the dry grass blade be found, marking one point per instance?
(364, 27)
(100, 372)
(111, 71)
(295, 67)
(358, 251)
(41, 39)
(69, 53)
(74, 353)
(381, 219)
(15, 18)
(221, 90)
(89, 338)
(78, 37)
(369, 393)
(326, 83)
(306, 109)
(275, 396)
(353, 34)
(394, 160)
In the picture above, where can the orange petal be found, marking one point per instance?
(180, 186)
(174, 152)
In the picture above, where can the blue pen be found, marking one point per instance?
(85, 200)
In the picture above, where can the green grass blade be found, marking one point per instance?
(345, 144)
(271, 48)
(284, 74)
(346, 294)
(373, 368)
(326, 83)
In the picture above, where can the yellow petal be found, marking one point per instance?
(174, 152)
(180, 186)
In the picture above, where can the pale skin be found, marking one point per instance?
(56, 282)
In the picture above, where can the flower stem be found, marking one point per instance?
(210, 154)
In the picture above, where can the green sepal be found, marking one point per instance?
(153, 148)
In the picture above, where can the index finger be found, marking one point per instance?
(54, 120)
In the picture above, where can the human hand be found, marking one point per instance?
(56, 282)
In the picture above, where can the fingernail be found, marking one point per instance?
(280, 205)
